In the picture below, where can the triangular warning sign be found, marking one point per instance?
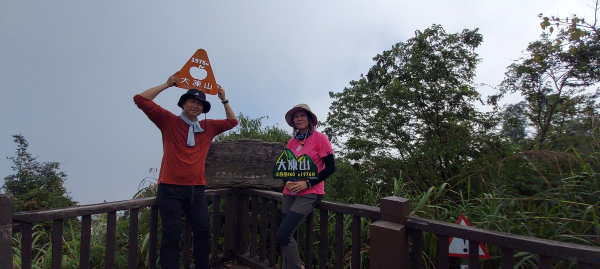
(197, 74)
(460, 248)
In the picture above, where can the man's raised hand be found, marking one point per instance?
(173, 80)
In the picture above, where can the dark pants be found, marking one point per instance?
(294, 209)
(173, 201)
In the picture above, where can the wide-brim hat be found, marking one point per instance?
(289, 116)
(198, 95)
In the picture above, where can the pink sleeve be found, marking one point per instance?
(324, 146)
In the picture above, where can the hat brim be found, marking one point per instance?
(205, 104)
(290, 114)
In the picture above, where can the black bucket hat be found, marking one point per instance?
(198, 95)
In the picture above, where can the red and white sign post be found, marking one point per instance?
(460, 248)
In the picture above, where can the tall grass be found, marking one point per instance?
(564, 207)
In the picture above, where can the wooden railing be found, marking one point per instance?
(23, 222)
(250, 222)
(585, 256)
(251, 248)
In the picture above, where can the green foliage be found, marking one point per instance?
(414, 114)
(42, 247)
(580, 40)
(35, 185)
(415, 106)
(555, 78)
(514, 121)
(148, 186)
(405, 134)
(564, 206)
(253, 129)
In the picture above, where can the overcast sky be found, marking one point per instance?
(69, 69)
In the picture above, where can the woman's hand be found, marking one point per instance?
(297, 186)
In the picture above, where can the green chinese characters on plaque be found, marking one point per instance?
(288, 167)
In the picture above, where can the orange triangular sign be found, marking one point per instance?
(460, 248)
(197, 74)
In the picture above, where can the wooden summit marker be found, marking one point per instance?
(245, 163)
(197, 74)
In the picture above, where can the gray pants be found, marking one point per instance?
(294, 209)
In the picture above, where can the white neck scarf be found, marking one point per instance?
(194, 128)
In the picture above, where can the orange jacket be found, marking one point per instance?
(182, 164)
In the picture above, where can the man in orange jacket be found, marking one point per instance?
(181, 181)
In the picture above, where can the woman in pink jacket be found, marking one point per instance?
(300, 197)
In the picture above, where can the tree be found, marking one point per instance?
(514, 121)
(35, 185)
(253, 129)
(580, 41)
(555, 77)
(414, 107)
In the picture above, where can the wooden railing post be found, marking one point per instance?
(242, 223)
(389, 246)
(6, 211)
(229, 243)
